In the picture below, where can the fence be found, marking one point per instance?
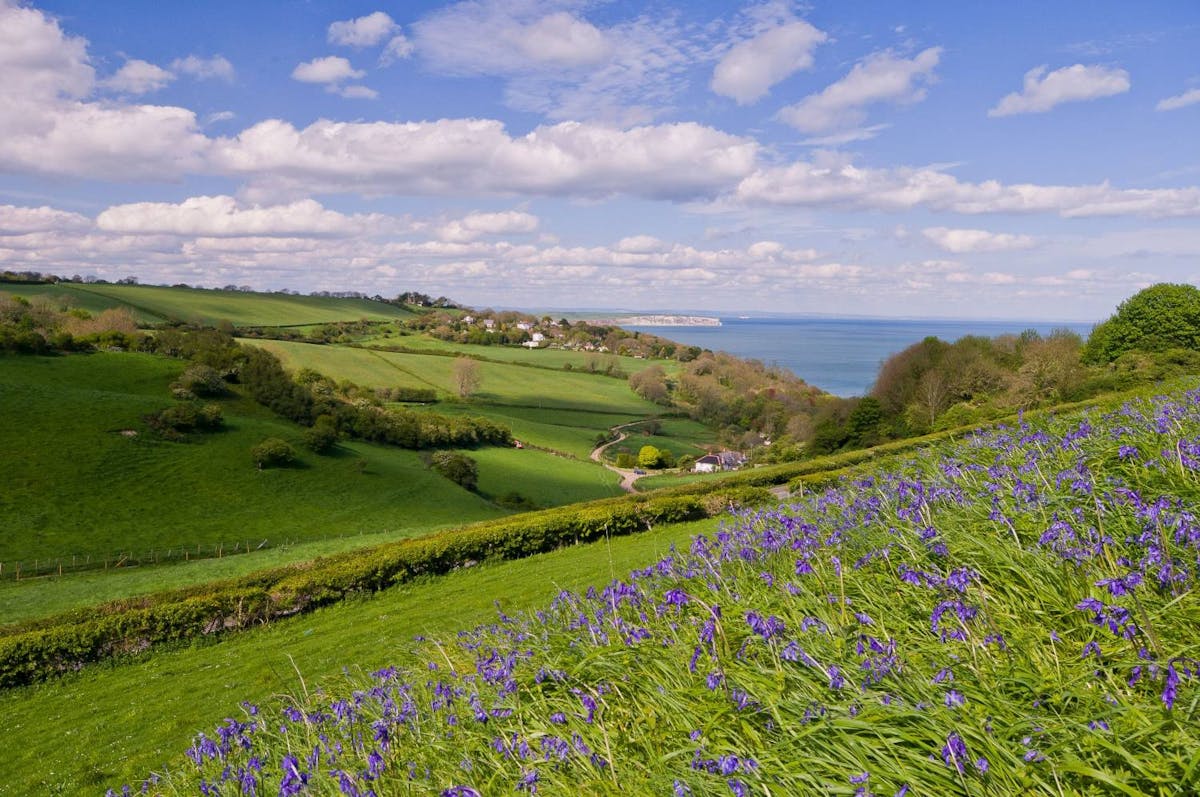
(37, 568)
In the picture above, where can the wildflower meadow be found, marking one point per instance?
(1011, 613)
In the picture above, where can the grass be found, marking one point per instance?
(1013, 613)
(76, 487)
(153, 304)
(568, 431)
(554, 359)
(117, 723)
(501, 384)
(42, 596)
(543, 478)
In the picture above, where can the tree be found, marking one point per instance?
(466, 376)
(650, 384)
(458, 468)
(272, 452)
(322, 436)
(1161, 317)
(649, 457)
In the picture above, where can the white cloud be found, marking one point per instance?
(836, 182)
(557, 63)
(474, 225)
(474, 156)
(223, 216)
(1044, 90)
(37, 59)
(1189, 97)
(219, 116)
(366, 31)
(881, 77)
(750, 68)
(960, 241)
(397, 49)
(641, 244)
(356, 92)
(205, 68)
(330, 69)
(22, 220)
(499, 38)
(138, 77)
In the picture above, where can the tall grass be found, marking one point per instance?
(1013, 614)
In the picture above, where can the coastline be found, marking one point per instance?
(660, 321)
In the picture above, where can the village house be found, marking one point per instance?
(724, 460)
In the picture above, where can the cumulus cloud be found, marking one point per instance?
(838, 182)
(1189, 97)
(959, 241)
(200, 68)
(474, 225)
(474, 156)
(330, 69)
(16, 220)
(1044, 90)
(366, 31)
(880, 78)
(748, 71)
(224, 216)
(47, 126)
(138, 77)
(38, 59)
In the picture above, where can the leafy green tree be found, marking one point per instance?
(458, 468)
(626, 460)
(272, 452)
(322, 436)
(1161, 317)
(649, 457)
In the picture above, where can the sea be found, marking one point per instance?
(839, 355)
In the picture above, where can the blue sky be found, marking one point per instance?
(1008, 160)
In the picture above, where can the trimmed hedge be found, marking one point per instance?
(41, 649)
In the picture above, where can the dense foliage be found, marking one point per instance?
(1015, 614)
(1159, 318)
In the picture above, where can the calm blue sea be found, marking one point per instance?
(839, 355)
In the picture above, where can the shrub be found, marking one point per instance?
(272, 452)
(458, 468)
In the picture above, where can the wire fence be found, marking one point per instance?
(18, 570)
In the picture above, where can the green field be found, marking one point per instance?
(118, 723)
(154, 304)
(500, 383)
(545, 479)
(554, 359)
(77, 487)
(568, 431)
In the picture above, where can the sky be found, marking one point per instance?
(1024, 160)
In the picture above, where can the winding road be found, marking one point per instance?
(628, 476)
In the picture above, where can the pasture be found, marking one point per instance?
(77, 487)
(153, 304)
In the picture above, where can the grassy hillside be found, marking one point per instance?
(76, 486)
(154, 304)
(1013, 613)
(500, 383)
(117, 723)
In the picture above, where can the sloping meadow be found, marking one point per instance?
(1015, 613)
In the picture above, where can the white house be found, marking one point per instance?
(707, 464)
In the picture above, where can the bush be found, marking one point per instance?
(458, 468)
(272, 452)
(322, 437)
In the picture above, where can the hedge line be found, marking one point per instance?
(34, 651)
